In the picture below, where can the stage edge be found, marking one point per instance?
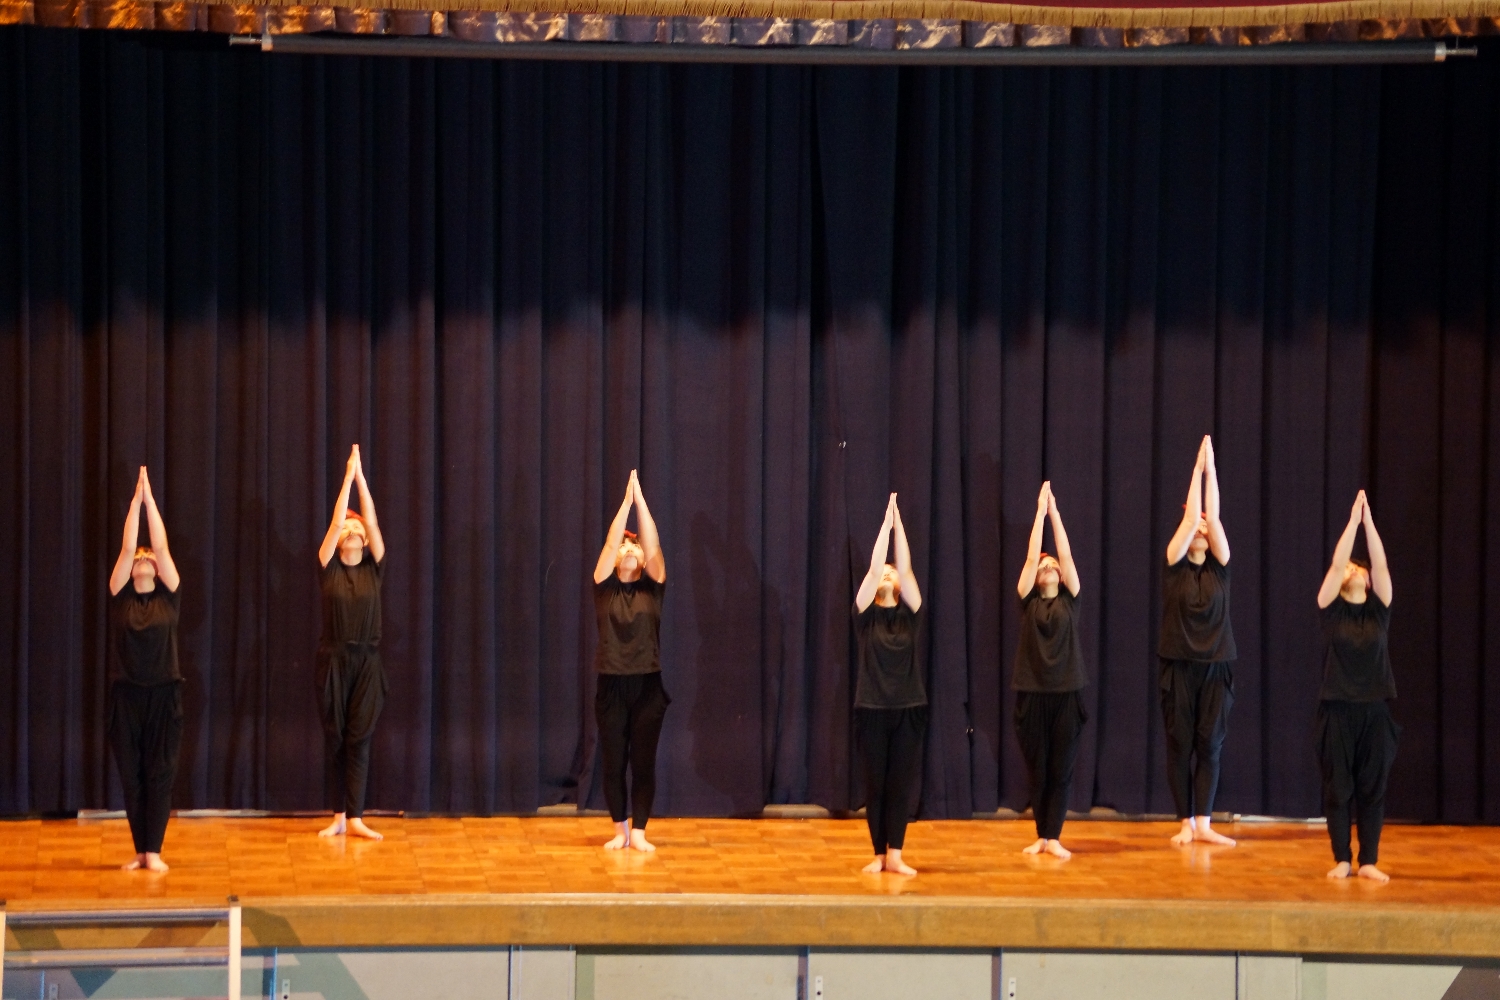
(1355, 928)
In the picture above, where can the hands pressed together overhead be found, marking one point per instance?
(161, 553)
(910, 592)
(354, 480)
(653, 561)
(1338, 568)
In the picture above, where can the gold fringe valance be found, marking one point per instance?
(1337, 20)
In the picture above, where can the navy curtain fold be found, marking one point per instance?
(781, 293)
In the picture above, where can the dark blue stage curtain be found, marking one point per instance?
(781, 293)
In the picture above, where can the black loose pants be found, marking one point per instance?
(890, 742)
(1195, 703)
(352, 688)
(1356, 747)
(630, 709)
(1048, 726)
(145, 731)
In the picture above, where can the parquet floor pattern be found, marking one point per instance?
(77, 860)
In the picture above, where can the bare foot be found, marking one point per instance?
(1057, 850)
(138, 862)
(1183, 837)
(155, 863)
(1036, 848)
(895, 865)
(639, 842)
(620, 839)
(358, 828)
(875, 867)
(1373, 874)
(1208, 835)
(1340, 870)
(334, 829)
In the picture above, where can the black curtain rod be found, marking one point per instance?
(1285, 54)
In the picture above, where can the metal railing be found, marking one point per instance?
(1282, 54)
(122, 958)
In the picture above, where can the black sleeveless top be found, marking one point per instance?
(1049, 655)
(1357, 666)
(629, 620)
(890, 660)
(1195, 622)
(351, 601)
(145, 648)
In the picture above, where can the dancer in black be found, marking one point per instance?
(630, 703)
(145, 704)
(1048, 677)
(351, 679)
(1196, 650)
(1356, 734)
(890, 698)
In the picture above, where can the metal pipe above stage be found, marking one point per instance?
(1288, 54)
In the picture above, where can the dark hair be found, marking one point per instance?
(1361, 562)
(630, 536)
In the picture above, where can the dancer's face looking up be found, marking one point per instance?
(352, 541)
(143, 570)
(1199, 545)
(1048, 575)
(631, 558)
(1356, 585)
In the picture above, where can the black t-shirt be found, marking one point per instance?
(351, 601)
(1195, 612)
(629, 617)
(1049, 656)
(890, 661)
(145, 647)
(1357, 666)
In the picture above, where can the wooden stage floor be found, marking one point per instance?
(545, 880)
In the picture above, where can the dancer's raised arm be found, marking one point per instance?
(1034, 546)
(1380, 569)
(910, 592)
(1192, 511)
(655, 565)
(1218, 541)
(166, 569)
(871, 583)
(120, 575)
(1333, 580)
(610, 554)
(367, 509)
(340, 506)
(1064, 550)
